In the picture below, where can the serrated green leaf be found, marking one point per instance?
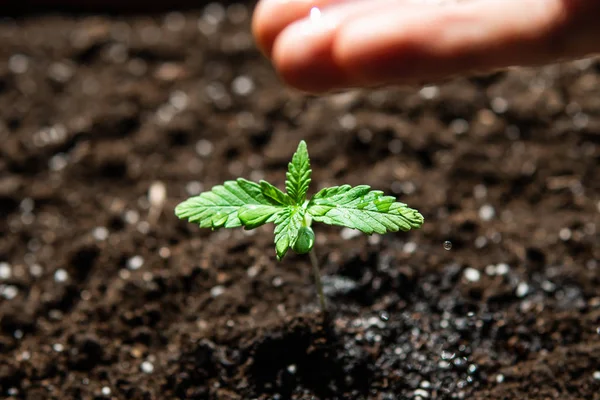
(369, 211)
(287, 226)
(298, 175)
(275, 194)
(219, 207)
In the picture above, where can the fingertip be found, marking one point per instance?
(264, 28)
(303, 62)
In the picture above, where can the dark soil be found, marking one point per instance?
(99, 299)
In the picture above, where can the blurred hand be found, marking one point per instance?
(325, 45)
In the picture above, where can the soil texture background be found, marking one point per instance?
(104, 294)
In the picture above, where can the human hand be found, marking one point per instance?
(363, 43)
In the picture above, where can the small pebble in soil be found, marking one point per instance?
(447, 245)
(347, 233)
(18, 334)
(106, 391)
(204, 148)
(596, 375)
(36, 270)
(100, 233)
(242, 85)
(164, 252)
(61, 275)
(216, 291)
(425, 385)
(147, 367)
(13, 391)
(472, 274)
(409, 247)
(487, 212)
(522, 289)
(179, 100)
(480, 242)
(548, 286)
(157, 194)
(194, 188)
(5, 271)
(18, 63)
(292, 369)
(459, 126)
(58, 347)
(131, 217)
(480, 191)
(499, 105)
(429, 92)
(277, 281)
(565, 234)
(502, 269)
(395, 146)
(135, 262)
(499, 378)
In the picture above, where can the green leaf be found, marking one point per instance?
(287, 225)
(369, 211)
(219, 207)
(253, 215)
(298, 175)
(275, 194)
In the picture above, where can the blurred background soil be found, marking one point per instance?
(103, 298)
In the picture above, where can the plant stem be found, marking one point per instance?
(317, 274)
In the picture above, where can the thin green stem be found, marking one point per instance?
(317, 275)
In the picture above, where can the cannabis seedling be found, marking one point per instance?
(249, 204)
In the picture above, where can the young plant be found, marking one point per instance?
(242, 203)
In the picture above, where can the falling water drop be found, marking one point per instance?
(447, 245)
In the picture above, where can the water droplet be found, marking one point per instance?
(448, 245)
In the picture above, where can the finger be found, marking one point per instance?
(412, 44)
(302, 52)
(478, 36)
(272, 16)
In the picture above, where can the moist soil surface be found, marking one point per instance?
(103, 296)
